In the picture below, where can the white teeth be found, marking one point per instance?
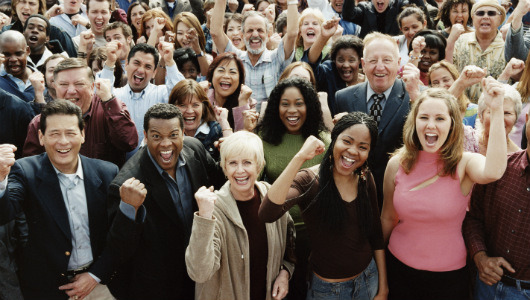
(431, 134)
(166, 152)
(348, 159)
(64, 151)
(379, 75)
(190, 119)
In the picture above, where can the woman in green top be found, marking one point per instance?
(293, 114)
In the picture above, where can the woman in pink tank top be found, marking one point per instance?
(426, 191)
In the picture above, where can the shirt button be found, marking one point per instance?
(508, 251)
(513, 231)
(520, 210)
(67, 253)
(528, 189)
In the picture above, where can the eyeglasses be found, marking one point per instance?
(490, 13)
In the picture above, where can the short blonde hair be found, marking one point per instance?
(243, 143)
(374, 36)
(308, 12)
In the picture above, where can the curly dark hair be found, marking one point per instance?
(347, 42)
(445, 11)
(329, 203)
(271, 128)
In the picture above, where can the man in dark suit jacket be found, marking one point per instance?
(172, 168)
(63, 196)
(380, 64)
(377, 15)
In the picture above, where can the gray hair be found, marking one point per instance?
(509, 93)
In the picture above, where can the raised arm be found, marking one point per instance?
(516, 46)
(216, 26)
(329, 28)
(470, 75)
(289, 40)
(485, 170)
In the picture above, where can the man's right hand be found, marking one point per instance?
(490, 269)
(133, 192)
(7, 159)
(112, 53)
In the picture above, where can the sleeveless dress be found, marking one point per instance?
(429, 233)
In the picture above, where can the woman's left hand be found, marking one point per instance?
(281, 285)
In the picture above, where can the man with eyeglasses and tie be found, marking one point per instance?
(485, 46)
(382, 96)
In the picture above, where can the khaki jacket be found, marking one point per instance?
(217, 257)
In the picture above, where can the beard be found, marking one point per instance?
(255, 51)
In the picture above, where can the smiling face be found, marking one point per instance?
(62, 141)
(182, 41)
(262, 6)
(98, 15)
(381, 64)
(189, 70)
(191, 109)
(164, 142)
(430, 56)
(35, 34)
(117, 35)
(337, 5)
(234, 33)
(309, 30)
(380, 5)
(293, 111)
(242, 172)
(347, 63)
(16, 53)
(75, 86)
(441, 78)
(255, 34)
(509, 117)
(459, 14)
(410, 26)
(225, 79)
(136, 16)
(26, 8)
(351, 149)
(433, 124)
(140, 70)
(486, 26)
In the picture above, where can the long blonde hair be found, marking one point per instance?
(451, 151)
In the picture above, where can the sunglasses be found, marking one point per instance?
(490, 13)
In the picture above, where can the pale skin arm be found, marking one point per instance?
(292, 29)
(280, 188)
(216, 29)
(469, 76)
(456, 31)
(389, 216)
(382, 293)
(487, 169)
(517, 16)
(329, 28)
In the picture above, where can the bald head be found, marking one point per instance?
(12, 36)
(13, 46)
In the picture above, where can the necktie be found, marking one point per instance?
(377, 110)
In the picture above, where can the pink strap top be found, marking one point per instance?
(429, 233)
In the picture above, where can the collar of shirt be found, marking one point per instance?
(180, 162)
(266, 56)
(370, 92)
(78, 172)
(136, 96)
(204, 129)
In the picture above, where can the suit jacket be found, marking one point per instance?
(194, 6)
(33, 187)
(364, 14)
(154, 250)
(15, 116)
(390, 127)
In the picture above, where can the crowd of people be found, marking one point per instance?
(269, 149)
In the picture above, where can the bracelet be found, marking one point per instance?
(295, 2)
(161, 66)
(200, 54)
(81, 55)
(412, 57)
